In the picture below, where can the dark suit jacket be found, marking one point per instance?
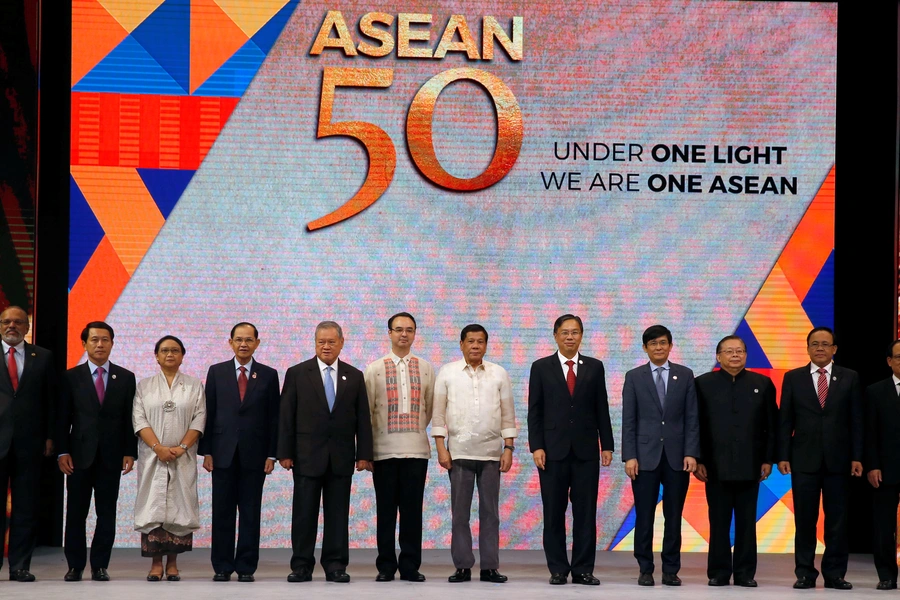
(809, 435)
(647, 429)
(311, 435)
(738, 420)
(882, 445)
(559, 422)
(88, 431)
(28, 415)
(251, 425)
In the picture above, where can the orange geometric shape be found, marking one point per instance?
(95, 33)
(779, 322)
(812, 241)
(94, 294)
(251, 16)
(214, 39)
(696, 511)
(130, 13)
(130, 231)
(775, 530)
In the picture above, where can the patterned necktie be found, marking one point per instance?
(13, 369)
(661, 387)
(242, 382)
(329, 388)
(822, 387)
(98, 384)
(570, 377)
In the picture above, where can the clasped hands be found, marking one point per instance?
(169, 453)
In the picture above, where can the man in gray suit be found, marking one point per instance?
(660, 445)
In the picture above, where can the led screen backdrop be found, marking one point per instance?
(285, 162)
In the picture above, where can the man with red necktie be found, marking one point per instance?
(820, 444)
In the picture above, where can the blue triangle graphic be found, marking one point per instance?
(777, 484)
(765, 500)
(756, 358)
(624, 529)
(165, 186)
(233, 77)
(268, 34)
(129, 69)
(819, 301)
(166, 35)
(85, 232)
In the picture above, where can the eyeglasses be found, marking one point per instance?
(824, 345)
(174, 351)
(734, 352)
(16, 322)
(658, 344)
(567, 332)
(243, 340)
(406, 330)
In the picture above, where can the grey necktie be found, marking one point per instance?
(661, 387)
(329, 388)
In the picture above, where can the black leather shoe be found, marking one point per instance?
(804, 583)
(22, 576)
(646, 579)
(558, 579)
(745, 582)
(718, 581)
(671, 579)
(838, 583)
(222, 577)
(585, 579)
(460, 576)
(384, 576)
(246, 578)
(338, 576)
(100, 574)
(73, 575)
(415, 577)
(153, 577)
(886, 584)
(493, 576)
(299, 576)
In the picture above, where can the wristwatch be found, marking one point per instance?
(510, 448)
(183, 447)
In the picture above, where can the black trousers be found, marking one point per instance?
(727, 498)
(236, 489)
(834, 491)
(22, 473)
(399, 486)
(104, 483)
(578, 480)
(646, 493)
(884, 516)
(333, 491)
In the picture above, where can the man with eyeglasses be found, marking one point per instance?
(660, 446)
(28, 398)
(239, 446)
(820, 444)
(400, 387)
(738, 418)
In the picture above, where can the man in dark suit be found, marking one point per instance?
(882, 453)
(738, 417)
(660, 445)
(820, 443)
(324, 429)
(238, 448)
(28, 402)
(96, 445)
(568, 411)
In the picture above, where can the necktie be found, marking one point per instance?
(242, 382)
(822, 387)
(13, 368)
(98, 384)
(329, 388)
(661, 387)
(570, 377)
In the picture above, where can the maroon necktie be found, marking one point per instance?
(13, 368)
(570, 377)
(242, 382)
(98, 385)
(822, 387)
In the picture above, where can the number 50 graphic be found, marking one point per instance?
(383, 155)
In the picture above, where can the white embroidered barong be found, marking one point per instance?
(167, 492)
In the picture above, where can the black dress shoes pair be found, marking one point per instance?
(671, 579)
(338, 576)
(838, 583)
(300, 575)
(21, 575)
(886, 584)
(460, 575)
(493, 576)
(646, 580)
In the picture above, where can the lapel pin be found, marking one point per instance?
(253, 376)
(344, 377)
(580, 362)
(675, 377)
(755, 391)
(114, 376)
(834, 378)
(34, 354)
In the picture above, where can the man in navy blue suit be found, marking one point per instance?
(242, 404)
(660, 445)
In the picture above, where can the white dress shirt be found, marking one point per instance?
(565, 367)
(238, 365)
(334, 366)
(814, 371)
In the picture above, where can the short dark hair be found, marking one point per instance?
(890, 350)
(729, 338)
(817, 329)
(96, 325)
(245, 324)
(401, 314)
(168, 337)
(472, 328)
(655, 331)
(567, 317)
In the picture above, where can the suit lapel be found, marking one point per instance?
(341, 382)
(315, 379)
(4, 374)
(86, 381)
(251, 385)
(651, 385)
(583, 371)
(28, 362)
(558, 373)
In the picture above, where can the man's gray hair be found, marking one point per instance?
(330, 325)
